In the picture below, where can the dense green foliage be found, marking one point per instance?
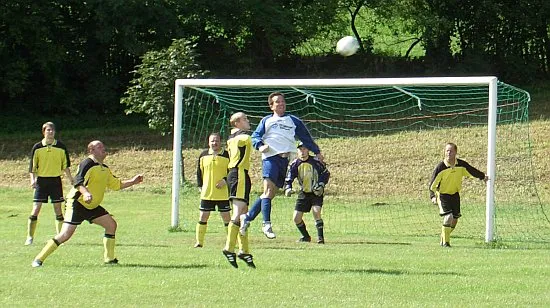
(152, 91)
(75, 57)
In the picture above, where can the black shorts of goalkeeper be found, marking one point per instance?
(306, 200)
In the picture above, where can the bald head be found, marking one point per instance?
(97, 150)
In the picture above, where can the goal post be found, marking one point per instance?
(181, 85)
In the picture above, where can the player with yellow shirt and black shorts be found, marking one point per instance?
(49, 160)
(239, 146)
(93, 177)
(445, 188)
(212, 183)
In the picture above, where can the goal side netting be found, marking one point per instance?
(382, 139)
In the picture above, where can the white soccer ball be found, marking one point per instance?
(347, 46)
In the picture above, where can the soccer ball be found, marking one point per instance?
(347, 46)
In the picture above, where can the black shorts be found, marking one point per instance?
(210, 205)
(76, 213)
(239, 184)
(48, 187)
(306, 200)
(449, 204)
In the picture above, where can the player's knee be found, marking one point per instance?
(448, 219)
(33, 217)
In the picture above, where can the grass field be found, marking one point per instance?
(354, 268)
(160, 268)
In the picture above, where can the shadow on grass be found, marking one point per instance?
(374, 271)
(162, 266)
(99, 243)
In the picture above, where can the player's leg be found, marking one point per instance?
(270, 189)
(32, 222)
(64, 235)
(301, 225)
(319, 224)
(239, 208)
(202, 225)
(225, 213)
(110, 226)
(57, 198)
(446, 230)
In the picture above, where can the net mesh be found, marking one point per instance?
(392, 138)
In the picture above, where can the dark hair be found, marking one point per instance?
(273, 94)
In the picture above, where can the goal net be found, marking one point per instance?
(382, 139)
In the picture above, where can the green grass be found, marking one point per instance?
(160, 268)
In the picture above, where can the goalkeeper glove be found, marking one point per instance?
(288, 192)
(319, 189)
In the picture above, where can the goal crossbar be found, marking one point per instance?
(490, 81)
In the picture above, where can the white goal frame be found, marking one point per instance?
(490, 81)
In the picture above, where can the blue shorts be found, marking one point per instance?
(274, 168)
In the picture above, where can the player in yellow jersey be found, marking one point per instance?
(84, 203)
(445, 188)
(239, 145)
(49, 160)
(212, 183)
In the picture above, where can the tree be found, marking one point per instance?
(151, 92)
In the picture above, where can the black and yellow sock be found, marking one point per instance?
(58, 223)
(302, 228)
(232, 234)
(109, 247)
(50, 247)
(31, 225)
(320, 225)
(200, 232)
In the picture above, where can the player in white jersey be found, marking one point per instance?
(275, 137)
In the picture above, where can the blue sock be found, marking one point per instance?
(266, 209)
(254, 210)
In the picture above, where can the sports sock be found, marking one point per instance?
(254, 210)
(232, 236)
(58, 223)
(266, 209)
(109, 247)
(31, 226)
(50, 247)
(319, 224)
(200, 232)
(446, 234)
(302, 228)
(243, 243)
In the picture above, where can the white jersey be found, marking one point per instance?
(280, 134)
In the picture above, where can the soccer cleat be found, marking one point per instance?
(231, 257)
(446, 245)
(246, 257)
(28, 241)
(321, 240)
(268, 231)
(244, 224)
(36, 263)
(197, 245)
(112, 262)
(304, 239)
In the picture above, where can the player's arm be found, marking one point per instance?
(199, 172)
(304, 135)
(131, 182)
(474, 172)
(291, 174)
(32, 166)
(258, 134)
(68, 175)
(434, 182)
